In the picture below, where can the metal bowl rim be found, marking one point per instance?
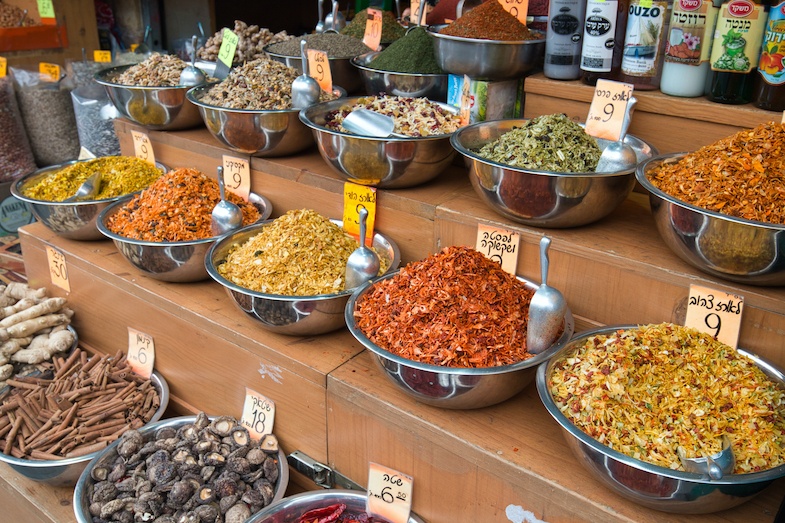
(102, 75)
(298, 57)
(199, 91)
(433, 30)
(361, 62)
(460, 371)
(544, 371)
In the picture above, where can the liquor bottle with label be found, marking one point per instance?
(603, 39)
(563, 39)
(769, 86)
(735, 51)
(644, 43)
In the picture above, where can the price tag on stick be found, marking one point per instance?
(46, 9)
(226, 53)
(319, 69)
(3, 66)
(141, 352)
(102, 56)
(143, 149)
(58, 270)
(499, 245)
(237, 176)
(356, 196)
(716, 313)
(258, 414)
(49, 71)
(517, 8)
(389, 494)
(373, 28)
(608, 106)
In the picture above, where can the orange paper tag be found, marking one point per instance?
(467, 100)
(414, 11)
(102, 56)
(141, 352)
(517, 8)
(715, 313)
(389, 494)
(319, 69)
(237, 176)
(3, 66)
(258, 414)
(49, 71)
(142, 147)
(58, 271)
(606, 113)
(373, 28)
(355, 197)
(499, 245)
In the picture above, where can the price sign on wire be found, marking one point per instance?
(226, 53)
(258, 414)
(716, 313)
(237, 176)
(49, 71)
(517, 8)
(389, 494)
(3, 66)
(467, 100)
(356, 197)
(102, 56)
(373, 28)
(499, 245)
(143, 149)
(608, 106)
(141, 352)
(319, 69)
(58, 270)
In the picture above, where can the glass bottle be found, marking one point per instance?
(563, 39)
(603, 39)
(644, 43)
(769, 86)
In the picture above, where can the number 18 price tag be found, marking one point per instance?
(715, 313)
(258, 414)
(608, 106)
(141, 352)
(389, 494)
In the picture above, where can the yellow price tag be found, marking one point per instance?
(499, 245)
(142, 147)
(228, 47)
(141, 352)
(3, 66)
(102, 56)
(133, 47)
(373, 28)
(258, 414)
(237, 176)
(716, 313)
(517, 8)
(46, 9)
(356, 197)
(646, 3)
(319, 69)
(608, 106)
(49, 71)
(389, 494)
(467, 100)
(58, 270)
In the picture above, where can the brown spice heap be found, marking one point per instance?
(176, 207)
(742, 175)
(490, 21)
(455, 308)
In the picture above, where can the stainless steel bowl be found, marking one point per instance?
(155, 108)
(734, 249)
(387, 163)
(343, 73)
(486, 59)
(649, 485)
(543, 198)
(454, 387)
(72, 220)
(66, 472)
(290, 315)
(81, 500)
(289, 509)
(177, 262)
(431, 86)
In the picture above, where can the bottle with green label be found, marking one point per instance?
(769, 89)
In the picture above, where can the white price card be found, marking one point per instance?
(237, 176)
(258, 414)
(716, 313)
(141, 352)
(389, 494)
(143, 149)
(608, 106)
(499, 245)
(58, 270)
(356, 196)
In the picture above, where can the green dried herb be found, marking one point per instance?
(411, 54)
(391, 29)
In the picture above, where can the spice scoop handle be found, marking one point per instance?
(546, 309)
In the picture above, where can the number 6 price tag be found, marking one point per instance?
(58, 271)
(608, 106)
(715, 313)
(389, 494)
(141, 352)
(258, 414)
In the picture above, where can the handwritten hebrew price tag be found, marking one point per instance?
(258, 414)
(143, 149)
(499, 245)
(58, 270)
(606, 113)
(141, 352)
(389, 494)
(517, 8)
(355, 197)
(237, 176)
(319, 69)
(373, 28)
(716, 313)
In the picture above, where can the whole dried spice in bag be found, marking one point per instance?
(490, 21)
(16, 157)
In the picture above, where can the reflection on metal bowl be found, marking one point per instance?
(342, 71)
(431, 86)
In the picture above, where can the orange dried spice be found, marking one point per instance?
(742, 175)
(176, 207)
(455, 308)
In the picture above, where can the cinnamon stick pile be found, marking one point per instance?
(87, 404)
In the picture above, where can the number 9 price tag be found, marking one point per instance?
(389, 494)
(143, 149)
(58, 271)
(237, 176)
(319, 69)
(258, 414)
(141, 352)
(608, 106)
(355, 197)
(715, 313)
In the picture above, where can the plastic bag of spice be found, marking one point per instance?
(48, 116)
(95, 114)
(16, 158)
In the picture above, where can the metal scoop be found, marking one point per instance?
(714, 466)
(363, 263)
(192, 75)
(305, 90)
(226, 215)
(320, 24)
(88, 189)
(618, 156)
(546, 309)
(370, 123)
(334, 21)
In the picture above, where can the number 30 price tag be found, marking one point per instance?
(606, 113)
(389, 494)
(716, 313)
(58, 271)
(141, 352)
(258, 414)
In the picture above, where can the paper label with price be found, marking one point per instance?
(3, 66)
(102, 56)
(49, 71)
(606, 113)
(319, 69)
(46, 9)
(258, 414)
(226, 53)
(237, 176)
(143, 149)
(141, 352)
(355, 197)
(517, 8)
(58, 270)
(716, 313)
(373, 29)
(499, 245)
(389, 494)
(414, 12)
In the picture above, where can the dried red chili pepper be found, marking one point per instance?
(326, 514)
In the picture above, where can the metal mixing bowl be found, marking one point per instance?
(65, 472)
(734, 249)
(72, 220)
(543, 198)
(454, 387)
(342, 72)
(387, 163)
(649, 485)
(291, 315)
(178, 262)
(486, 59)
(155, 108)
(81, 499)
(431, 86)
(289, 509)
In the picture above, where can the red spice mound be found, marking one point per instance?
(455, 308)
(490, 21)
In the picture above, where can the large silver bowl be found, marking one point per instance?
(72, 220)
(155, 108)
(342, 72)
(486, 59)
(177, 262)
(543, 198)
(655, 487)
(289, 509)
(734, 249)
(81, 499)
(290, 315)
(453, 387)
(66, 472)
(415, 85)
(387, 163)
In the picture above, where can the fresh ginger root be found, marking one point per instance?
(20, 291)
(47, 306)
(44, 346)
